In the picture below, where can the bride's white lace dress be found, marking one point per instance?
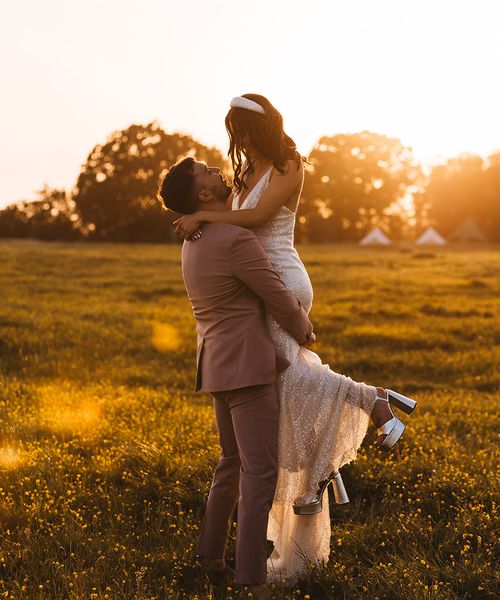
(324, 415)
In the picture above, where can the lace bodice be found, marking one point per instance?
(280, 226)
(277, 238)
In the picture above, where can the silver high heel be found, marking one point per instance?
(394, 428)
(315, 505)
(404, 403)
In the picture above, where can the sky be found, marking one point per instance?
(72, 72)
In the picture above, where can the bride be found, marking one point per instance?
(324, 415)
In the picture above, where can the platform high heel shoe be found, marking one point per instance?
(314, 504)
(404, 403)
(394, 428)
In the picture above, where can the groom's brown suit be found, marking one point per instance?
(231, 284)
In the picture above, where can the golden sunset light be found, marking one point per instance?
(73, 72)
(9, 457)
(249, 299)
(165, 337)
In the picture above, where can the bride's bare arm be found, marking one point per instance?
(275, 196)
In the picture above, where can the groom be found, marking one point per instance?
(231, 285)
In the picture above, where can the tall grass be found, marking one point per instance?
(106, 454)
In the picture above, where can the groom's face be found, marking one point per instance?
(210, 180)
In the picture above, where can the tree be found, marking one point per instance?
(466, 186)
(356, 181)
(489, 219)
(51, 217)
(116, 190)
(13, 222)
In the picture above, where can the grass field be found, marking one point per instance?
(106, 454)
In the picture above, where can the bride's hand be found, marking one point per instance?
(188, 226)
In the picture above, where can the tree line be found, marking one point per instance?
(353, 183)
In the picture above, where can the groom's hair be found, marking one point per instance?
(177, 189)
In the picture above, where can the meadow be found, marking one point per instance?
(107, 454)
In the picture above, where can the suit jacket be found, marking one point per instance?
(231, 284)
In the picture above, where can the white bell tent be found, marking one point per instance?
(430, 237)
(376, 237)
(468, 231)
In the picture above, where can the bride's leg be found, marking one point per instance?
(376, 402)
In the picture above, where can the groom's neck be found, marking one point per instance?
(217, 206)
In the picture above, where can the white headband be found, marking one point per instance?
(240, 102)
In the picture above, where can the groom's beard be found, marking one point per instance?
(223, 193)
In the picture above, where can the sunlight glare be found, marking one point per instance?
(10, 458)
(165, 337)
(70, 411)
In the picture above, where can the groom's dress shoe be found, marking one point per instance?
(221, 577)
(219, 581)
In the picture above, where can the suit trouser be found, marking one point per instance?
(247, 420)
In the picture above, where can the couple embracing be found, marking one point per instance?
(287, 423)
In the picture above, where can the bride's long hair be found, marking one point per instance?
(264, 133)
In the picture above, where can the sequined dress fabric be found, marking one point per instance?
(324, 415)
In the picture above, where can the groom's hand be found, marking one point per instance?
(310, 342)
